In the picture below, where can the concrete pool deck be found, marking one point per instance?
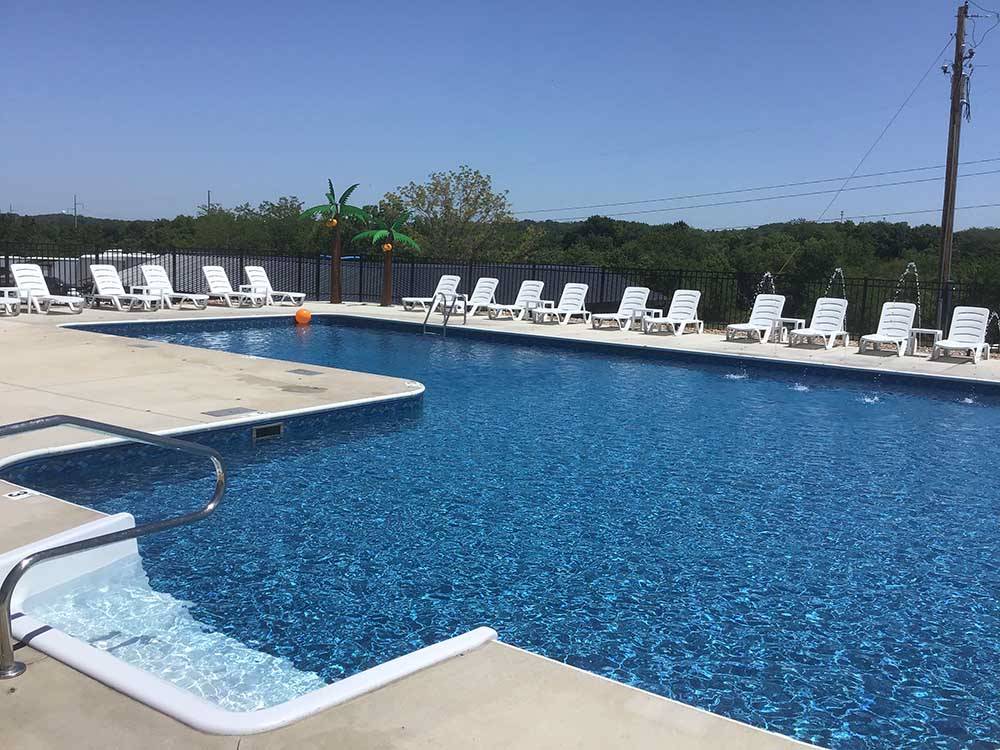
(496, 696)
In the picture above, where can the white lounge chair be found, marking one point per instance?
(572, 304)
(108, 288)
(893, 327)
(261, 284)
(481, 298)
(632, 305)
(33, 291)
(683, 312)
(530, 294)
(158, 283)
(447, 285)
(10, 303)
(220, 289)
(827, 324)
(767, 308)
(967, 333)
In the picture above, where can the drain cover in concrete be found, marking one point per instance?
(303, 371)
(231, 412)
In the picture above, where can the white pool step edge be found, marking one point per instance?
(163, 696)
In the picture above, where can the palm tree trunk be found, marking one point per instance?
(387, 279)
(335, 269)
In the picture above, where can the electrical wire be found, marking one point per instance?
(734, 191)
(880, 214)
(888, 125)
(780, 197)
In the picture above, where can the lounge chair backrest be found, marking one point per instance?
(218, 281)
(829, 314)
(767, 308)
(897, 319)
(530, 291)
(484, 292)
(157, 280)
(684, 305)
(573, 297)
(258, 279)
(106, 280)
(28, 277)
(968, 325)
(447, 285)
(633, 298)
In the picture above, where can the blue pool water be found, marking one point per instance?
(811, 553)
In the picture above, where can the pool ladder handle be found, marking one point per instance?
(447, 310)
(9, 666)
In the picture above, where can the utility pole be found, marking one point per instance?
(76, 206)
(958, 89)
(209, 202)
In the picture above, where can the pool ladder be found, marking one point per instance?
(9, 666)
(447, 310)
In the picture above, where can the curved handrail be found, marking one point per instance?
(447, 310)
(9, 667)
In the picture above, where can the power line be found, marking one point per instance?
(888, 125)
(735, 191)
(863, 216)
(780, 197)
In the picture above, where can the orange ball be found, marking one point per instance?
(303, 316)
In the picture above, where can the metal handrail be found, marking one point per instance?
(9, 667)
(448, 310)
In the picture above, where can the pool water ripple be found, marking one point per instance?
(772, 548)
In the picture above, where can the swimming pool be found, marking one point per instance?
(808, 552)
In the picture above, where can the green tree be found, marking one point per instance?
(389, 235)
(334, 212)
(456, 214)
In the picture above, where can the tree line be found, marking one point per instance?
(459, 215)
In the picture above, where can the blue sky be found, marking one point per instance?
(139, 108)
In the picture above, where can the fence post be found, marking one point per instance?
(863, 323)
(319, 265)
(604, 279)
(361, 279)
(173, 263)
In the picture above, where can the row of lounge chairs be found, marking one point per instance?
(156, 293)
(967, 333)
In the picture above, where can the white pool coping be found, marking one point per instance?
(157, 693)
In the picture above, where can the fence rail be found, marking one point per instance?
(726, 296)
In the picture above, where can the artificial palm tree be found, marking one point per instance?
(389, 235)
(334, 212)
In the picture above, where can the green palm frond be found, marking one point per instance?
(346, 194)
(353, 212)
(400, 221)
(375, 235)
(406, 240)
(325, 209)
(331, 196)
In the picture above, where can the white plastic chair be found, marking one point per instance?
(683, 312)
(481, 298)
(447, 285)
(767, 308)
(261, 284)
(220, 289)
(158, 283)
(10, 303)
(572, 304)
(893, 328)
(967, 333)
(634, 300)
(33, 291)
(529, 294)
(827, 324)
(109, 288)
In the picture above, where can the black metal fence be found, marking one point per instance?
(726, 296)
